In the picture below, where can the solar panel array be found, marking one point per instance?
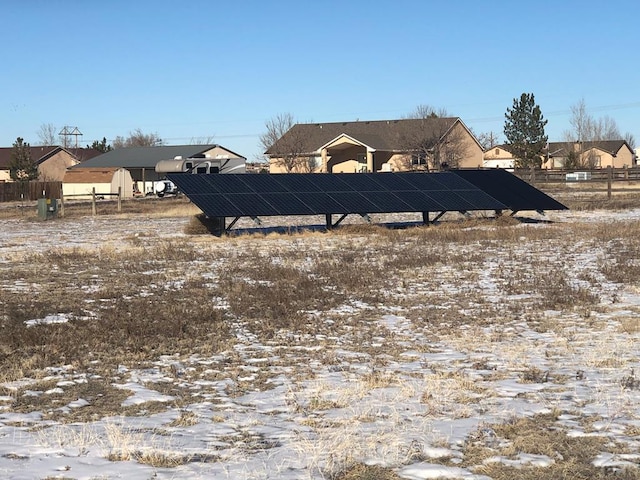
(257, 195)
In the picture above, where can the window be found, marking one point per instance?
(418, 158)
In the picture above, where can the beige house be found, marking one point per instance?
(80, 183)
(52, 161)
(498, 157)
(376, 146)
(599, 154)
(587, 155)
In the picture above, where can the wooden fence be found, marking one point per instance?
(596, 175)
(607, 180)
(17, 191)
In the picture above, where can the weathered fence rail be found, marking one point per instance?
(609, 180)
(28, 191)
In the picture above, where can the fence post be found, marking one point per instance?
(119, 199)
(609, 178)
(93, 202)
(61, 202)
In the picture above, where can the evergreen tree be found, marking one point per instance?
(524, 130)
(21, 167)
(101, 146)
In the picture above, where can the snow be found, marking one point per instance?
(411, 412)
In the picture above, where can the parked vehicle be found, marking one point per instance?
(165, 187)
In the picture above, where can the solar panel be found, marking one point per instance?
(419, 201)
(510, 190)
(423, 182)
(321, 202)
(267, 184)
(235, 195)
(287, 204)
(387, 202)
(364, 183)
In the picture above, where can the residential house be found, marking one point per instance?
(376, 146)
(52, 161)
(587, 155)
(141, 161)
(498, 157)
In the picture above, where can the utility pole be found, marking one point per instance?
(69, 132)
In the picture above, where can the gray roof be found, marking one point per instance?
(609, 146)
(388, 135)
(143, 157)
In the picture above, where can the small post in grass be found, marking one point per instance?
(119, 199)
(93, 202)
(609, 179)
(61, 202)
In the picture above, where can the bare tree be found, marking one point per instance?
(209, 140)
(630, 139)
(428, 111)
(138, 138)
(435, 139)
(586, 128)
(286, 146)
(48, 135)
(487, 140)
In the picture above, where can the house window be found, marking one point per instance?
(418, 158)
(497, 151)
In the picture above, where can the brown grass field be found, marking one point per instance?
(552, 307)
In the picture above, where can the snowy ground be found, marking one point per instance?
(408, 396)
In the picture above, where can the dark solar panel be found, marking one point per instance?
(354, 202)
(267, 184)
(423, 181)
(507, 188)
(252, 204)
(387, 202)
(393, 181)
(232, 184)
(300, 182)
(331, 183)
(321, 202)
(363, 183)
(231, 195)
(419, 201)
(287, 204)
(451, 200)
(452, 181)
(216, 205)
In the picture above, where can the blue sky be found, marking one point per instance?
(220, 70)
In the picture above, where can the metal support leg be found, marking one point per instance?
(232, 224)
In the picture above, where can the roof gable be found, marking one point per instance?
(40, 154)
(90, 175)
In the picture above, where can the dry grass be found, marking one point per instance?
(311, 298)
(539, 435)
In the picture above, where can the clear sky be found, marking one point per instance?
(219, 70)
